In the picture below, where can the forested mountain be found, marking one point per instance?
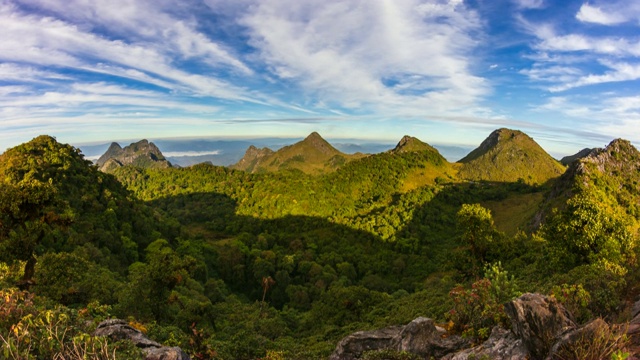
(230, 264)
(509, 155)
(313, 155)
(143, 154)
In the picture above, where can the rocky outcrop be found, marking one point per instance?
(116, 329)
(354, 345)
(594, 331)
(421, 337)
(538, 321)
(501, 345)
(541, 328)
(142, 154)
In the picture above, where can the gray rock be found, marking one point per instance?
(538, 321)
(165, 353)
(354, 345)
(573, 338)
(421, 337)
(501, 345)
(116, 329)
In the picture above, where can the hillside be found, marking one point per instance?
(142, 154)
(509, 156)
(313, 155)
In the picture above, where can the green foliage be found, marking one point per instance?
(30, 331)
(575, 299)
(478, 309)
(379, 241)
(478, 233)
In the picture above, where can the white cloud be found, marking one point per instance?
(621, 72)
(609, 116)
(45, 41)
(149, 21)
(593, 14)
(609, 12)
(529, 4)
(191, 153)
(405, 54)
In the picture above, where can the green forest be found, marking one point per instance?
(228, 264)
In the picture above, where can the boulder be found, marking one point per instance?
(594, 334)
(538, 321)
(116, 329)
(421, 337)
(501, 345)
(354, 345)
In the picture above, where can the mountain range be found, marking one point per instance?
(299, 249)
(505, 155)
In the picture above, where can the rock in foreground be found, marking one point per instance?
(116, 329)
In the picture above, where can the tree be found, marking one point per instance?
(478, 232)
(28, 212)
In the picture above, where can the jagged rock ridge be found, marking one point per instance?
(143, 154)
(567, 160)
(509, 156)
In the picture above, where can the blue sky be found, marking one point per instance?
(448, 72)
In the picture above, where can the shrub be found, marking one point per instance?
(478, 309)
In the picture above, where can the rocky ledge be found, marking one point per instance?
(116, 329)
(541, 328)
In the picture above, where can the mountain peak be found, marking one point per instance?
(510, 155)
(316, 142)
(142, 154)
(619, 156)
(313, 155)
(411, 144)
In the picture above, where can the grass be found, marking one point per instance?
(515, 212)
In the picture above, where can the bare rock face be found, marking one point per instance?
(116, 329)
(501, 345)
(423, 338)
(354, 345)
(538, 321)
(420, 337)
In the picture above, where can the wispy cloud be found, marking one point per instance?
(381, 55)
(529, 4)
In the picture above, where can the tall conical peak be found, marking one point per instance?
(114, 146)
(496, 137)
(410, 144)
(317, 142)
(509, 155)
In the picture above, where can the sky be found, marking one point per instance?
(446, 71)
